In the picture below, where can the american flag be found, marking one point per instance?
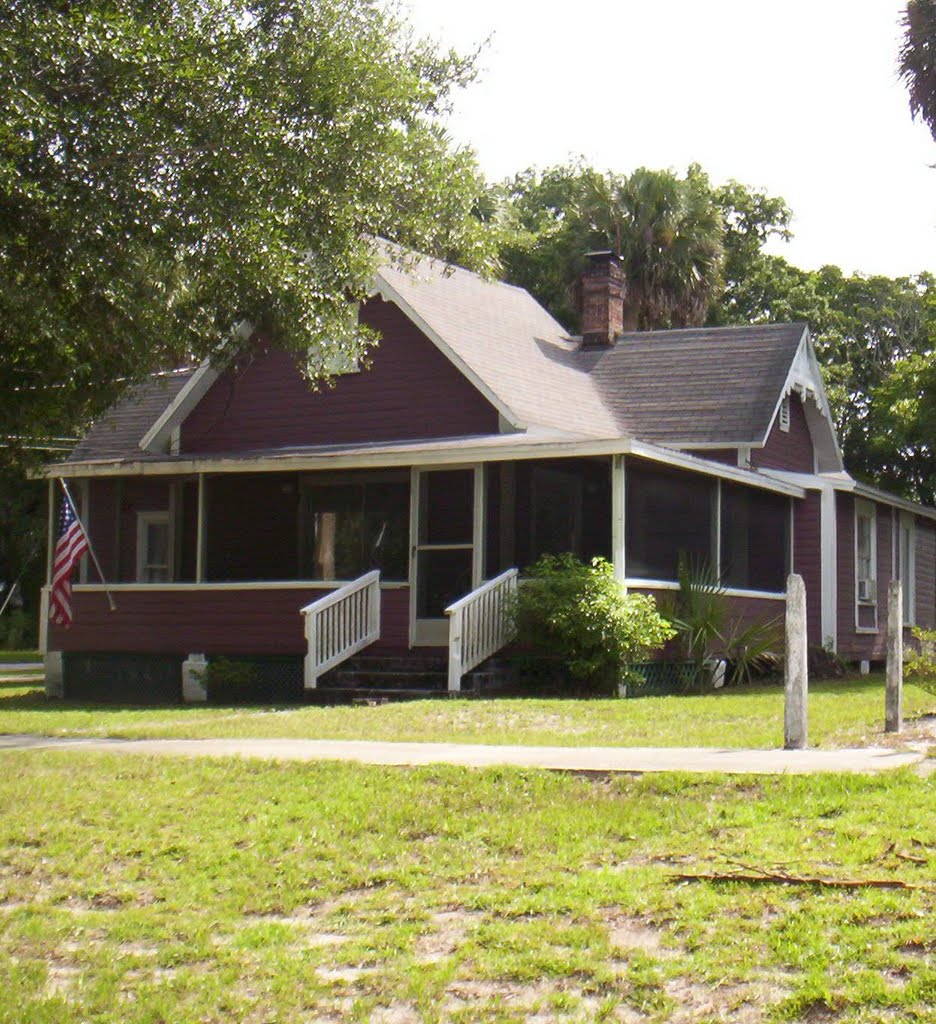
(72, 544)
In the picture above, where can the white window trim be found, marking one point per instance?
(866, 509)
(783, 417)
(144, 521)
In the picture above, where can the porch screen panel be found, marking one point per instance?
(668, 515)
(352, 527)
(755, 538)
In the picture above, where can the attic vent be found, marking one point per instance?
(785, 415)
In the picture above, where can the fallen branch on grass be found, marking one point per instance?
(781, 878)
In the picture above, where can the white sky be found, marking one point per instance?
(801, 98)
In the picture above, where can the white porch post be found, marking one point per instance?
(52, 660)
(829, 568)
(618, 491)
(200, 532)
(477, 554)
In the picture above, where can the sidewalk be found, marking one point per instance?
(573, 759)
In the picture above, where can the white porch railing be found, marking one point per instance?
(480, 624)
(341, 624)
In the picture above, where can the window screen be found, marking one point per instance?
(668, 515)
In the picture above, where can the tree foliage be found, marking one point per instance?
(873, 334)
(917, 62)
(667, 231)
(173, 168)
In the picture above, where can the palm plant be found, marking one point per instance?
(917, 61)
(668, 232)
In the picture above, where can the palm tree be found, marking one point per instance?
(668, 232)
(917, 62)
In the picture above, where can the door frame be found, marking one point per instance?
(434, 632)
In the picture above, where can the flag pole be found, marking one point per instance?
(91, 551)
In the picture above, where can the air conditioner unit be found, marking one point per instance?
(866, 590)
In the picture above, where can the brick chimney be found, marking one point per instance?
(602, 300)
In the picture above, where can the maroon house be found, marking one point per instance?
(226, 505)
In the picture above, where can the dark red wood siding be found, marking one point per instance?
(925, 581)
(862, 628)
(410, 391)
(114, 506)
(792, 449)
(209, 621)
(807, 559)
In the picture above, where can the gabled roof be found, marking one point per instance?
(117, 434)
(715, 385)
(505, 342)
(698, 387)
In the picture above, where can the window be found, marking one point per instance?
(784, 418)
(905, 563)
(154, 547)
(349, 527)
(668, 515)
(865, 553)
(755, 544)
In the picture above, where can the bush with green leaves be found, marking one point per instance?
(920, 660)
(578, 613)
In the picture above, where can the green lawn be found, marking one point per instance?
(139, 890)
(20, 656)
(841, 714)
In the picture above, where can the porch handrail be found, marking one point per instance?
(480, 624)
(341, 624)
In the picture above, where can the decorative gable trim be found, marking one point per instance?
(159, 437)
(805, 379)
(388, 293)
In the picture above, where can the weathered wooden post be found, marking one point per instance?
(796, 669)
(893, 693)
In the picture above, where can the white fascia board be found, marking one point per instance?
(697, 464)
(388, 293)
(883, 498)
(184, 402)
(410, 455)
(845, 484)
(805, 375)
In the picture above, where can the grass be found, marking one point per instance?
(841, 714)
(6, 657)
(140, 890)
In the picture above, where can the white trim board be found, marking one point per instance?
(505, 449)
(195, 388)
(150, 588)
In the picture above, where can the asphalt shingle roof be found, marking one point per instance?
(703, 385)
(117, 434)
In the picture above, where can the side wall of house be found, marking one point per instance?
(791, 449)
(807, 559)
(925, 604)
(409, 390)
(862, 627)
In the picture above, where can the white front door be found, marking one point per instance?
(445, 547)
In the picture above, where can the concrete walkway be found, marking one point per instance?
(574, 759)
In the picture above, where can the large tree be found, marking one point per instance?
(666, 229)
(173, 168)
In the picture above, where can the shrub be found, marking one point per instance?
(707, 631)
(18, 631)
(578, 613)
(920, 662)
